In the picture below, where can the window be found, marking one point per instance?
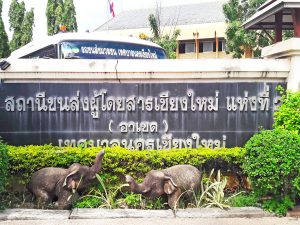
(189, 47)
(47, 52)
(108, 50)
(181, 48)
(210, 46)
(207, 46)
(224, 46)
(186, 47)
(220, 46)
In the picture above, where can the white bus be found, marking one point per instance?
(90, 46)
(87, 46)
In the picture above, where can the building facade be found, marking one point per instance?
(202, 27)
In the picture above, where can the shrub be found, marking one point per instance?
(107, 197)
(244, 200)
(124, 200)
(278, 206)
(288, 114)
(87, 202)
(133, 200)
(3, 168)
(24, 160)
(273, 166)
(212, 192)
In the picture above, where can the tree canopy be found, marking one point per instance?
(239, 40)
(4, 47)
(21, 23)
(16, 16)
(168, 41)
(27, 25)
(50, 14)
(58, 13)
(69, 16)
(58, 16)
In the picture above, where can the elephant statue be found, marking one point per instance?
(63, 185)
(173, 181)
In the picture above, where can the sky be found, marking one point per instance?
(90, 13)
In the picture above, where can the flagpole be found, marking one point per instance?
(107, 13)
(111, 10)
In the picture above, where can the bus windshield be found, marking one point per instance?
(109, 50)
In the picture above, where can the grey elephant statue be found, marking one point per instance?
(62, 185)
(173, 181)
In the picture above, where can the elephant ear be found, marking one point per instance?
(69, 181)
(169, 185)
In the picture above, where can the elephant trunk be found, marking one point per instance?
(136, 188)
(98, 162)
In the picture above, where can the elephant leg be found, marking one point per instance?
(43, 198)
(173, 199)
(66, 199)
(63, 203)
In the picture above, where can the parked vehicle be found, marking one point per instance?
(90, 46)
(87, 46)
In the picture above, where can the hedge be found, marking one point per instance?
(24, 160)
(3, 168)
(272, 163)
(288, 114)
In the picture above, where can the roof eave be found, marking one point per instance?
(271, 9)
(263, 14)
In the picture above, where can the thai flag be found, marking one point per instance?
(111, 8)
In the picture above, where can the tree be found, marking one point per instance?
(54, 16)
(50, 14)
(168, 42)
(69, 16)
(4, 47)
(58, 13)
(16, 16)
(27, 25)
(154, 27)
(21, 23)
(58, 16)
(239, 40)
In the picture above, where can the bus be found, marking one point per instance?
(89, 46)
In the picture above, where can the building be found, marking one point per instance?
(202, 27)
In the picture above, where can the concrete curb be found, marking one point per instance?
(36, 214)
(248, 212)
(119, 213)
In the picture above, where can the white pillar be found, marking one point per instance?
(287, 49)
(294, 75)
